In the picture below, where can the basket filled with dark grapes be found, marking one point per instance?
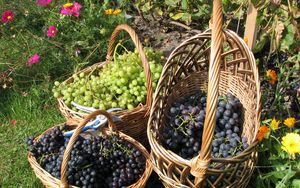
(124, 81)
(205, 115)
(108, 158)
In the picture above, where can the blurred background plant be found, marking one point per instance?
(195, 14)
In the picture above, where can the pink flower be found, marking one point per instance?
(43, 2)
(33, 60)
(66, 11)
(13, 122)
(51, 31)
(76, 8)
(7, 16)
(71, 9)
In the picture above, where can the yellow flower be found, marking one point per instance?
(271, 74)
(113, 11)
(291, 144)
(109, 11)
(290, 122)
(117, 11)
(274, 124)
(262, 133)
(68, 5)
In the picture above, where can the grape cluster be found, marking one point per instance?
(100, 161)
(48, 143)
(119, 84)
(183, 131)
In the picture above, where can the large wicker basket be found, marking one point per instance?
(216, 62)
(49, 181)
(136, 119)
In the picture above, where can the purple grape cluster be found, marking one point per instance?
(100, 161)
(183, 131)
(48, 143)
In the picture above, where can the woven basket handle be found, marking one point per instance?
(139, 47)
(73, 139)
(200, 163)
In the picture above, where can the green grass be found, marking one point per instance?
(34, 113)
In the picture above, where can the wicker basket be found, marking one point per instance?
(49, 181)
(216, 61)
(136, 119)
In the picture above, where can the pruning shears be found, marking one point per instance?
(95, 124)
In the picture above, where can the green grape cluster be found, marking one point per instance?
(120, 83)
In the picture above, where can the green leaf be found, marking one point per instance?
(187, 18)
(146, 7)
(288, 38)
(298, 165)
(283, 174)
(159, 11)
(184, 4)
(266, 121)
(262, 42)
(172, 3)
(177, 16)
(296, 183)
(226, 3)
(286, 179)
(240, 13)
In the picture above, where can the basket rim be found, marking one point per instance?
(148, 165)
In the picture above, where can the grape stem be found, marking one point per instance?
(115, 51)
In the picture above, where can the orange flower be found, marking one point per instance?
(246, 39)
(262, 133)
(271, 74)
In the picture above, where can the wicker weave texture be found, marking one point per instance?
(216, 62)
(135, 119)
(49, 181)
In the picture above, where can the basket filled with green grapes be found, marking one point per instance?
(124, 81)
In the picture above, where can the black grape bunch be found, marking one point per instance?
(183, 131)
(100, 161)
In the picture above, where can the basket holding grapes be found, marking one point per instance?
(205, 115)
(109, 159)
(127, 82)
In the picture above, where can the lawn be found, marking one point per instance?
(34, 113)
